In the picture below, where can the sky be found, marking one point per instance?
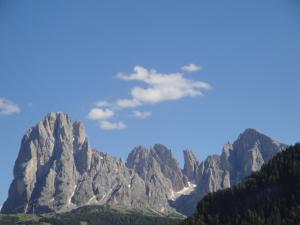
(186, 74)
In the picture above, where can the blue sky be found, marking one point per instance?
(69, 55)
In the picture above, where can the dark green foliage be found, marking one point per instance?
(18, 219)
(91, 215)
(268, 197)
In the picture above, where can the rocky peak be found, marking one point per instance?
(169, 166)
(157, 162)
(226, 152)
(48, 165)
(140, 161)
(57, 170)
(137, 154)
(191, 165)
(238, 160)
(251, 139)
(251, 150)
(162, 151)
(79, 132)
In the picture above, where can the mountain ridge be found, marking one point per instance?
(268, 196)
(57, 170)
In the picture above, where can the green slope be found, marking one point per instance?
(91, 215)
(270, 196)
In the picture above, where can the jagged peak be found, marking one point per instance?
(191, 164)
(79, 131)
(158, 150)
(162, 151)
(160, 147)
(52, 119)
(252, 137)
(140, 149)
(251, 131)
(189, 153)
(55, 115)
(227, 148)
(190, 159)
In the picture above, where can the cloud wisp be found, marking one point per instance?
(141, 115)
(107, 125)
(8, 107)
(103, 104)
(191, 68)
(100, 114)
(155, 88)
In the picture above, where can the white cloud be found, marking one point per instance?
(155, 88)
(107, 125)
(140, 114)
(8, 107)
(100, 114)
(191, 68)
(160, 87)
(127, 103)
(103, 104)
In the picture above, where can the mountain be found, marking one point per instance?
(160, 172)
(238, 160)
(57, 170)
(269, 196)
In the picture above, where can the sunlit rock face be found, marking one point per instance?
(246, 155)
(191, 165)
(160, 172)
(57, 170)
(45, 171)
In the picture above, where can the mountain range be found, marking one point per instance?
(57, 170)
(270, 196)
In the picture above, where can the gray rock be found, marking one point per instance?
(250, 151)
(57, 170)
(191, 164)
(238, 160)
(44, 172)
(160, 172)
(169, 166)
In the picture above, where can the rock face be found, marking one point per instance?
(160, 172)
(45, 171)
(238, 160)
(191, 165)
(57, 170)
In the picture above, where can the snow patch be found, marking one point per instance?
(26, 208)
(91, 199)
(103, 196)
(184, 191)
(69, 200)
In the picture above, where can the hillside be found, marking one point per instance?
(270, 196)
(90, 215)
